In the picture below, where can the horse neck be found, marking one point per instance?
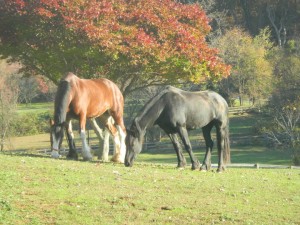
(150, 114)
(61, 102)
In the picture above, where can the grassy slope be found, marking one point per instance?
(40, 190)
(35, 108)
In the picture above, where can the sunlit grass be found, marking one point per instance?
(35, 108)
(40, 190)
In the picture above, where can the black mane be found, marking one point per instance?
(151, 102)
(61, 101)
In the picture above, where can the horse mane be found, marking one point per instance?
(149, 104)
(61, 101)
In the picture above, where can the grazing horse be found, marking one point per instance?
(177, 111)
(88, 99)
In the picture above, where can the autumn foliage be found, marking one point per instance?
(154, 35)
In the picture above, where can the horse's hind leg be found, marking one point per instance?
(105, 151)
(102, 154)
(70, 136)
(221, 145)
(177, 147)
(206, 165)
(186, 141)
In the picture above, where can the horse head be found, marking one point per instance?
(134, 143)
(56, 137)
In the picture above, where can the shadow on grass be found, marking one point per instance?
(25, 153)
(239, 154)
(34, 154)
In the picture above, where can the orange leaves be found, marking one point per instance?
(143, 31)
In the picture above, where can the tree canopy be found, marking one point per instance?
(135, 43)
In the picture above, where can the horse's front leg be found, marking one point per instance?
(117, 157)
(180, 157)
(86, 151)
(122, 136)
(186, 141)
(70, 136)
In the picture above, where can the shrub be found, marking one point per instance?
(30, 124)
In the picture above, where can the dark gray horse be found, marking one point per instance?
(177, 111)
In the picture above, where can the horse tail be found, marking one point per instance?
(226, 153)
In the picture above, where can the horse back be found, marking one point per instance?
(195, 109)
(93, 97)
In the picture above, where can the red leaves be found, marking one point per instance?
(44, 12)
(141, 30)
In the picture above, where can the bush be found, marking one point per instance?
(30, 124)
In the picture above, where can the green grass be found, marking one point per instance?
(40, 190)
(36, 189)
(242, 125)
(35, 108)
(241, 154)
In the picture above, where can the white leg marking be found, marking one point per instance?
(122, 136)
(116, 157)
(55, 154)
(105, 151)
(86, 152)
(120, 147)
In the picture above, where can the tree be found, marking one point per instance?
(32, 87)
(251, 71)
(136, 43)
(217, 16)
(8, 100)
(283, 127)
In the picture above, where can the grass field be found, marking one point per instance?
(35, 108)
(40, 190)
(36, 189)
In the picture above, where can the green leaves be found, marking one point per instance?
(87, 36)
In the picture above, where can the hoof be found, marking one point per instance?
(117, 160)
(87, 158)
(181, 165)
(221, 169)
(55, 155)
(196, 166)
(72, 157)
(205, 167)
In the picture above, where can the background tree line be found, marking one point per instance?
(141, 44)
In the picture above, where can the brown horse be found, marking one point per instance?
(84, 99)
